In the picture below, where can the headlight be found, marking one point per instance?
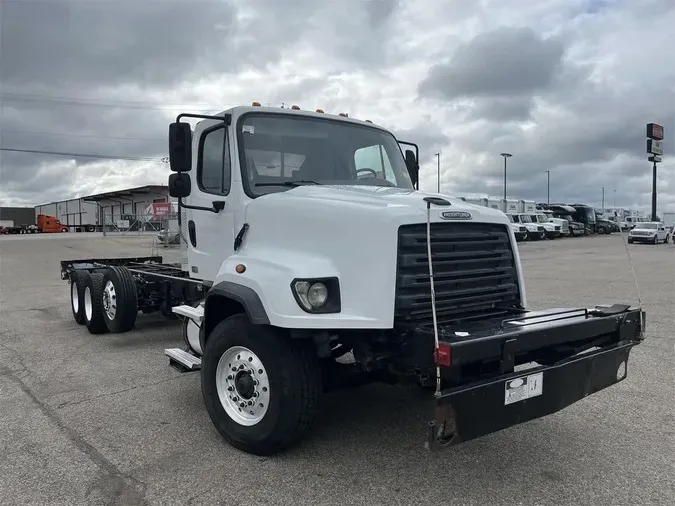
(320, 295)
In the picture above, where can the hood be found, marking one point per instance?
(397, 204)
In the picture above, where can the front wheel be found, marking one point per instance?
(261, 389)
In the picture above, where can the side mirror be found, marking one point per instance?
(180, 185)
(412, 165)
(180, 147)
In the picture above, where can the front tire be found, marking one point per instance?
(261, 389)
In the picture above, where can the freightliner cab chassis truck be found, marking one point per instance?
(306, 240)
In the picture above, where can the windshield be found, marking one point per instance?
(510, 218)
(278, 152)
(524, 218)
(541, 218)
(651, 226)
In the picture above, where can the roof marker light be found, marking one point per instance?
(295, 107)
(319, 110)
(368, 121)
(256, 104)
(344, 114)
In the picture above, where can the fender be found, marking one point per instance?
(243, 295)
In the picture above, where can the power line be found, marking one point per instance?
(119, 104)
(83, 135)
(87, 155)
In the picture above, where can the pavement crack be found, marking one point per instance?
(116, 392)
(112, 486)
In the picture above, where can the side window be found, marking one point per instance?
(213, 169)
(374, 158)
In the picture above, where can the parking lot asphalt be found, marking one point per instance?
(88, 419)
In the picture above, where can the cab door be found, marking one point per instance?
(210, 232)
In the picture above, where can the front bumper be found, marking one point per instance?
(641, 238)
(472, 410)
(552, 234)
(520, 236)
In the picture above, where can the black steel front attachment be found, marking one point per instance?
(471, 411)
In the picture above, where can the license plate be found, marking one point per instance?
(525, 387)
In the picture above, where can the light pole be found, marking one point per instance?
(615, 198)
(438, 157)
(548, 186)
(505, 155)
(603, 199)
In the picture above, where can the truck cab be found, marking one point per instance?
(47, 224)
(323, 266)
(535, 231)
(519, 229)
(553, 230)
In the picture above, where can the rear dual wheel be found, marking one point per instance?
(104, 300)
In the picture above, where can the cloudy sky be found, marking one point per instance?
(565, 85)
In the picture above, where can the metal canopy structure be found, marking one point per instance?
(126, 194)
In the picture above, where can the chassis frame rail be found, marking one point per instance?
(67, 266)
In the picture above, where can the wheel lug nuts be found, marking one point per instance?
(250, 403)
(230, 389)
(241, 366)
(243, 404)
(255, 394)
(234, 368)
(235, 399)
(230, 377)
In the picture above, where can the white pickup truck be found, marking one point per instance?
(652, 232)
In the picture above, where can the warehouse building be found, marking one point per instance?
(104, 208)
(11, 216)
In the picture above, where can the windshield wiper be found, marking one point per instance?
(299, 182)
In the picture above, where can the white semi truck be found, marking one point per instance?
(306, 241)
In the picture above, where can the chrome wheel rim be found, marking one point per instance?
(88, 309)
(110, 300)
(74, 299)
(242, 385)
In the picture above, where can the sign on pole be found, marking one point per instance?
(654, 147)
(655, 131)
(655, 159)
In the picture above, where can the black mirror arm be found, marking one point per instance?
(217, 206)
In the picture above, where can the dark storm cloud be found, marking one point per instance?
(107, 43)
(504, 62)
(502, 109)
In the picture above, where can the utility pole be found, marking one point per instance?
(548, 186)
(615, 199)
(505, 155)
(438, 157)
(603, 199)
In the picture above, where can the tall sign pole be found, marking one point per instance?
(655, 150)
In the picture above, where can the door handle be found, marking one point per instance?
(218, 205)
